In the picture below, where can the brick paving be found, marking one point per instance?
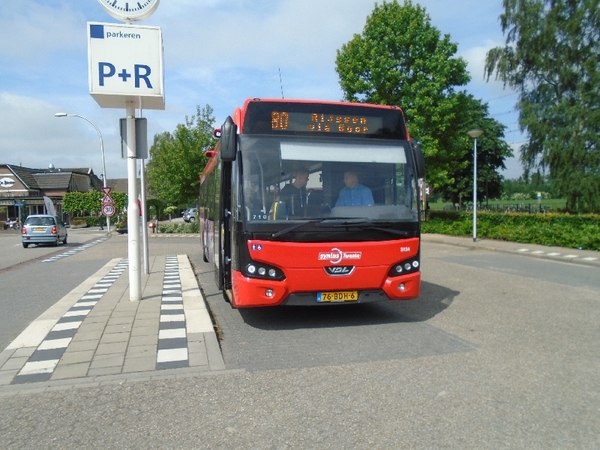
(95, 333)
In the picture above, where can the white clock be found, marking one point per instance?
(129, 9)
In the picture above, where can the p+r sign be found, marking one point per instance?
(126, 65)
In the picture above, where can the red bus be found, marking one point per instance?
(312, 203)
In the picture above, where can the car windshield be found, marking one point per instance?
(307, 179)
(39, 221)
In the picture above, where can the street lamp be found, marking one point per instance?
(101, 151)
(475, 133)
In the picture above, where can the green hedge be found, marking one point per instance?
(179, 228)
(561, 230)
(93, 221)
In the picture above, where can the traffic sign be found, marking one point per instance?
(106, 189)
(108, 210)
(107, 200)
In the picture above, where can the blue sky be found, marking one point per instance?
(216, 52)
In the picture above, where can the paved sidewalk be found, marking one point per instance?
(96, 335)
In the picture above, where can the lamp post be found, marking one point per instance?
(475, 133)
(101, 151)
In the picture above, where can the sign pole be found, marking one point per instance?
(125, 68)
(133, 212)
(144, 217)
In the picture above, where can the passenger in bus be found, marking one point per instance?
(354, 194)
(294, 194)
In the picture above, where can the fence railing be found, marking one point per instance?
(529, 208)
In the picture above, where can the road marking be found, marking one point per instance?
(570, 256)
(75, 250)
(174, 355)
(45, 358)
(172, 335)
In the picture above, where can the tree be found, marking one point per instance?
(551, 58)
(401, 59)
(492, 151)
(176, 160)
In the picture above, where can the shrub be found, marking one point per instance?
(561, 230)
(78, 222)
(179, 228)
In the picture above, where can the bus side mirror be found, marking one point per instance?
(228, 140)
(419, 158)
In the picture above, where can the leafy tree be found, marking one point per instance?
(492, 150)
(401, 59)
(551, 58)
(177, 159)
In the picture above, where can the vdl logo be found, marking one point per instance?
(338, 271)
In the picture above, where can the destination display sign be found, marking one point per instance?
(333, 119)
(324, 123)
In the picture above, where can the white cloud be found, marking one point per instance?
(35, 31)
(475, 57)
(291, 34)
(31, 136)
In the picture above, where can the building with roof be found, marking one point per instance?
(22, 189)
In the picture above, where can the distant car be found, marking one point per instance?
(190, 215)
(43, 229)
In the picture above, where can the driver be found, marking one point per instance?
(354, 194)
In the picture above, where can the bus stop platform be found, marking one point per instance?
(96, 334)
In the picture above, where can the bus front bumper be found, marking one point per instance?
(252, 292)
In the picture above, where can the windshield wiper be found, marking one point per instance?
(294, 227)
(341, 222)
(389, 230)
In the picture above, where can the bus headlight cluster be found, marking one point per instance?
(256, 270)
(404, 267)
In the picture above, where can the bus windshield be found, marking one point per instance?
(300, 179)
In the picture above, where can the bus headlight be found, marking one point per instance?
(260, 270)
(404, 267)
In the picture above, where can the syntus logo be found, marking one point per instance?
(336, 256)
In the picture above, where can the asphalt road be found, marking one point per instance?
(28, 287)
(500, 351)
(13, 252)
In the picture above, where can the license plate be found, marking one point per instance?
(337, 296)
(37, 229)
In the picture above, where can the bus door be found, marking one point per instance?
(224, 231)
